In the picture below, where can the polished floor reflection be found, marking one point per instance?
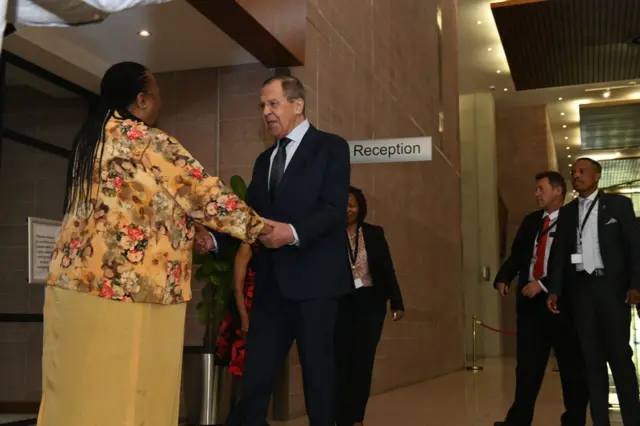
(462, 399)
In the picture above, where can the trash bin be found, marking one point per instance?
(208, 389)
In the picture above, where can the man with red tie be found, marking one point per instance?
(538, 329)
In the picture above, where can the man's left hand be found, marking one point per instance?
(532, 289)
(633, 297)
(280, 236)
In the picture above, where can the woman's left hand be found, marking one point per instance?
(397, 315)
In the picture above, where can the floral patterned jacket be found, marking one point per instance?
(134, 244)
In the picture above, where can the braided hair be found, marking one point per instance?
(120, 86)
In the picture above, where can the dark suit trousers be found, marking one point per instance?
(603, 320)
(360, 322)
(275, 323)
(539, 331)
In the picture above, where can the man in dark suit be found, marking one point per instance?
(302, 186)
(599, 250)
(538, 329)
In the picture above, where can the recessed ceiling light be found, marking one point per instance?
(564, 126)
(490, 49)
(498, 71)
(506, 90)
(566, 138)
(635, 95)
(560, 98)
(606, 94)
(562, 113)
(569, 156)
(479, 22)
(568, 148)
(144, 33)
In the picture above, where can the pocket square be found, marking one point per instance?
(611, 221)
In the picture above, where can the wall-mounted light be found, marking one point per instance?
(144, 33)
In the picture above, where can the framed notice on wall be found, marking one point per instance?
(43, 234)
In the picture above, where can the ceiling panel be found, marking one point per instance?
(551, 43)
(613, 126)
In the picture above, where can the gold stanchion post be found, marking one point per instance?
(474, 348)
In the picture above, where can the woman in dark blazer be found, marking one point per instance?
(362, 313)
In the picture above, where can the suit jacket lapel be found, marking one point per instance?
(573, 211)
(265, 166)
(602, 210)
(302, 154)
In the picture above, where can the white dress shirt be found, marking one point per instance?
(553, 218)
(589, 244)
(295, 136)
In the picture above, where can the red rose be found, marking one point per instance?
(196, 173)
(118, 182)
(75, 243)
(232, 204)
(177, 272)
(182, 222)
(135, 234)
(135, 256)
(106, 291)
(134, 134)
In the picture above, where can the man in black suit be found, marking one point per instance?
(538, 329)
(600, 252)
(302, 186)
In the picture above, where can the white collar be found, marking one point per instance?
(298, 132)
(552, 216)
(590, 197)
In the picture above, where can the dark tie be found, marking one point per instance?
(277, 168)
(538, 267)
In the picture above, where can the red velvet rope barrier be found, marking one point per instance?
(488, 327)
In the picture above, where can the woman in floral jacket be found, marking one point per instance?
(121, 270)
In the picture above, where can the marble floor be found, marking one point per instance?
(462, 398)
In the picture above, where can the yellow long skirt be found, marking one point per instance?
(110, 364)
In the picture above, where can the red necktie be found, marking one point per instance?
(538, 268)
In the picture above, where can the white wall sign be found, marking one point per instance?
(390, 150)
(43, 234)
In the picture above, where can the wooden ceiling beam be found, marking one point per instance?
(273, 31)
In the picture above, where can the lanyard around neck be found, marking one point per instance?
(586, 216)
(353, 249)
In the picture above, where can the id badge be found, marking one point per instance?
(359, 283)
(576, 258)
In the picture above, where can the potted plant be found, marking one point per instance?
(207, 385)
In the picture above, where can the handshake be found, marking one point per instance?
(273, 235)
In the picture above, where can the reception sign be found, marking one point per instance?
(43, 234)
(390, 150)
